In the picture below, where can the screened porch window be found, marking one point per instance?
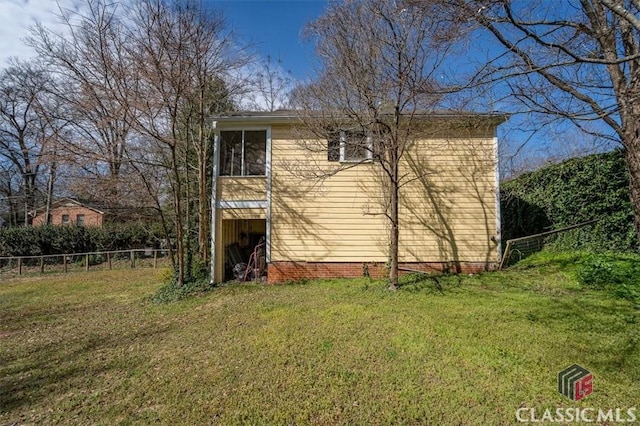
(243, 153)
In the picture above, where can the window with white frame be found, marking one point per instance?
(243, 152)
(349, 146)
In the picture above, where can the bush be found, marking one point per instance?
(617, 274)
(597, 272)
(171, 292)
(66, 239)
(577, 190)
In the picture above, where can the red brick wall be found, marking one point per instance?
(282, 271)
(91, 217)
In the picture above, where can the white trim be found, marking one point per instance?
(214, 180)
(238, 127)
(243, 204)
(242, 170)
(267, 171)
(496, 162)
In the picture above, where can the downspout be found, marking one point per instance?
(214, 202)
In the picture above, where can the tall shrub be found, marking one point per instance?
(577, 190)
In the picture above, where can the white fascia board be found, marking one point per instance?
(243, 204)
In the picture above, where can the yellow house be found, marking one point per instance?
(273, 183)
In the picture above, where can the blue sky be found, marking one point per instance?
(274, 28)
(269, 28)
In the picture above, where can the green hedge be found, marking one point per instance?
(577, 190)
(44, 240)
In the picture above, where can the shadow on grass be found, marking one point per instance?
(430, 283)
(609, 330)
(52, 369)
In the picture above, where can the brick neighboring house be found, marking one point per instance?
(68, 211)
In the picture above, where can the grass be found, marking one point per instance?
(91, 348)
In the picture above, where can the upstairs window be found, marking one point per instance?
(243, 153)
(65, 219)
(80, 220)
(348, 146)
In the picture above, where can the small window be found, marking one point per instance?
(65, 219)
(333, 147)
(243, 153)
(80, 220)
(349, 147)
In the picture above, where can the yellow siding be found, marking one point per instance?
(448, 210)
(245, 188)
(321, 222)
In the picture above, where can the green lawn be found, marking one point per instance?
(91, 348)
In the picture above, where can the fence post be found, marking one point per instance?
(133, 259)
(19, 266)
(86, 262)
(506, 255)
(155, 258)
(109, 259)
(42, 265)
(64, 263)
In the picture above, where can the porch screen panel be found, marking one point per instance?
(255, 148)
(231, 153)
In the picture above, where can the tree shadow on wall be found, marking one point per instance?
(452, 196)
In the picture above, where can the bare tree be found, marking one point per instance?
(377, 80)
(271, 86)
(197, 130)
(89, 64)
(26, 133)
(176, 50)
(9, 189)
(576, 61)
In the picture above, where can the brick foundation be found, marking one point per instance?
(282, 271)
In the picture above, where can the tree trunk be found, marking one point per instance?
(203, 211)
(632, 157)
(177, 193)
(394, 219)
(29, 192)
(188, 249)
(52, 176)
(203, 194)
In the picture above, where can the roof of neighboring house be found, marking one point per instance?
(288, 115)
(65, 202)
